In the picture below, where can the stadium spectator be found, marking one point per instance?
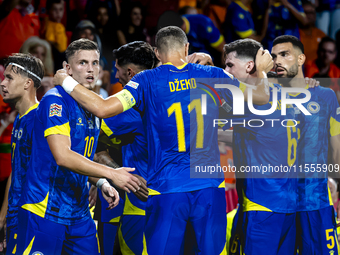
(66, 136)
(328, 17)
(323, 66)
(239, 22)
(131, 27)
(42, 50)
(310, 35)
(284, 17)
(202, 34)
(17, 23)
(216, 10)
(54, 31)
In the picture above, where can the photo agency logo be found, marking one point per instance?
(280, 100)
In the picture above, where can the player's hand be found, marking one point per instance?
(92, 196)
(110, 194)
(263, 61)
(3, 243)
(312, 82)
(201, 59)
(122, 178)
(60, 75)
(143, 193)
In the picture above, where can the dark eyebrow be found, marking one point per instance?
(7, 75)
(284, 51)
(273, 55)
(83, 60)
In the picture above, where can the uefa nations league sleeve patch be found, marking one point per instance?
(55, 110)
(133, 84)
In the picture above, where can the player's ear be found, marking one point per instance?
(157, 54)
(67, 67)
(301, 59)
(250, 67)
(131, 73)
(187, 49)
(28, 83)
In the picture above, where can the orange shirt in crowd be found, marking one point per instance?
(15, 29)
(311, 42)
(334, 73)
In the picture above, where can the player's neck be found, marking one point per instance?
(25, 103)
(176, 58)
(298, 81)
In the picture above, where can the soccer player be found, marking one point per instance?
(23, 75)
(267, 204)
(319, 137)
(169, 101)
(54, 215)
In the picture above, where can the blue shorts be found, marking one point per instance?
(131, 234)
(167, 216)
(11, 238)
(107, 236)
(36, 234)
(317, 232)
(260, 232)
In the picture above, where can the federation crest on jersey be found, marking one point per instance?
(55, 110)
(313, 107)
(133, 84)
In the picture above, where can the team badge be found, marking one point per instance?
(338, 111)
(313, 107)
(133, 84)
(20, 133)
(55, 110)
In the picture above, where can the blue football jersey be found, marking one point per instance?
(128, 128)
(316, 130)
(21, 141)
(201, 31)
(181, 140)
(51, 191)
(265, 151)
(282, 22)
(238, 22)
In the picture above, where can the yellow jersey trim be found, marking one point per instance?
(251, 206)
(245, 34)
(277, 4)
(58, 130)
(29, 109)
(145, 251)
(330, 196)
(153, 192)
(15, 249)
(126, 98)
(106, 129)
(222, 185)
(117, 219)
(218, 42)
(239, 3)
(130, 209)
(187, 25)
(29, 247)
(178, 67)
(38, 208)
(294, 95)
(243, 87)
(334, 126)
(123, 246)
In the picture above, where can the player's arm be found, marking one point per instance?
(225, 136)
(4, 206)
(260, 92)
(334, 156)
(60, 146)
(94, 103)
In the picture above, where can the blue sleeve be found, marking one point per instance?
(242, 23)
(54, 116)
(208, 30)
(297, 4)
(121, 124)
(334, 120)
(137, 87)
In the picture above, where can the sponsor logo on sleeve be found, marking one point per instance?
(133, 84)
(55, 110)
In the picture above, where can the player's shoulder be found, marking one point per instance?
(322, 91)
(196, 18)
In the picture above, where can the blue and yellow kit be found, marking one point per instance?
(180, 140)
(316, 214)
(238, 22)
(201, 31)
(21, 141)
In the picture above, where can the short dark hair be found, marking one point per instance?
(138, 53)
(244, 48)
(170, 37)
(81, 44)
(324, 40)
(49, 3)
(30, 64)
(289, 39)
